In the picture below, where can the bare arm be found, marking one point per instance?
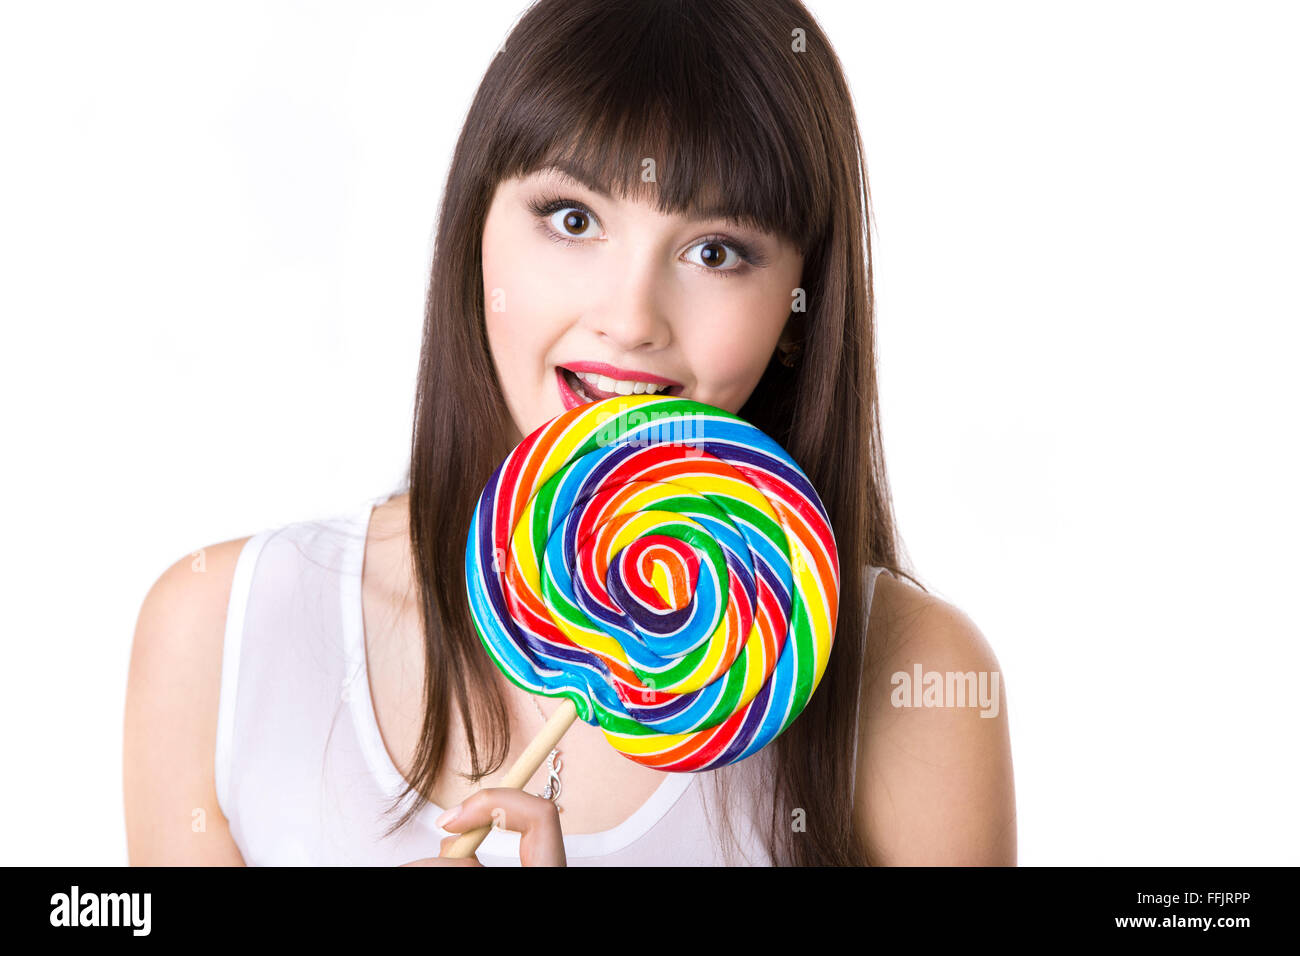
(935, 784)
(170, 726)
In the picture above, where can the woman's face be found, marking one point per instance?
(653, 296)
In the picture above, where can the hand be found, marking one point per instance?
(534, 818)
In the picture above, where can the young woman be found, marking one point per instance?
(662, 194)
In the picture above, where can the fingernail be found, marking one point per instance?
(447, 816)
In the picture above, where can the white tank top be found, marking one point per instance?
(302, 773)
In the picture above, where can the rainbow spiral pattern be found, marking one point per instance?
(667, 567)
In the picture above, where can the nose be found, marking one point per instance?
(627, 311)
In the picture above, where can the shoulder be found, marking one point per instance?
(200, 580)
(182, 617)
(173, 689)
(907, 621)
(935, 782)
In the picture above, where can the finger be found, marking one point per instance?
(535, 818)
(504, 808)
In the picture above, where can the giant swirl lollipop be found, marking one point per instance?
(666, 568)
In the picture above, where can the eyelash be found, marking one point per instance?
(547, 206)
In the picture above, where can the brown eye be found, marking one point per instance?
(713, 253)
(572, 221)
(575, 222)
(717, 256)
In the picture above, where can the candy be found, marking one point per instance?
(664, 565)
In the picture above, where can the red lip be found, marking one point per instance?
(613, 371)
(567, 396)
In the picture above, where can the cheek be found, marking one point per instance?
(518, 307)
(729, 349)
(524, 311)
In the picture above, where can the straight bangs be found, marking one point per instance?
(634, 104)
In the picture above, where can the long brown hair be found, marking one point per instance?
(744, 109)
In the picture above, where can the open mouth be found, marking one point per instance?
(574, 391)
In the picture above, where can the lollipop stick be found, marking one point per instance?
(520, 773)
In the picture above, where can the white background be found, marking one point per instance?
(215, 226)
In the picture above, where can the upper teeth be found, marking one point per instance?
(621, 386)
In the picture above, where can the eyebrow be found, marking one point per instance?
(576, 173)
(580, 176)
